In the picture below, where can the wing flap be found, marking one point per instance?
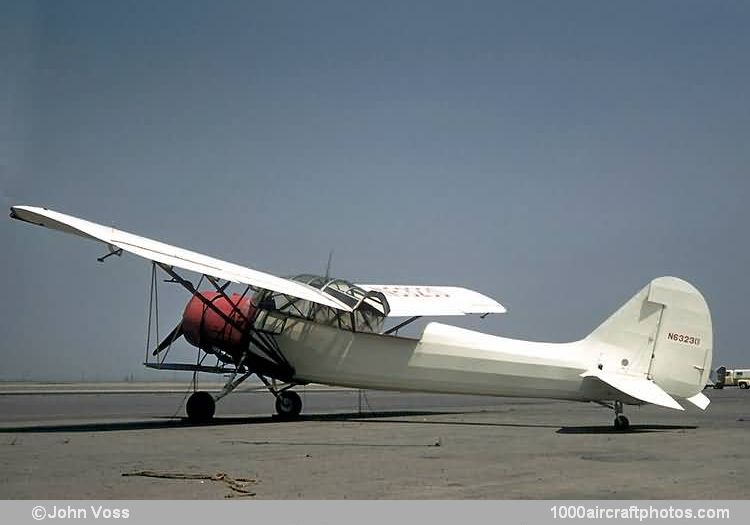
(172, 255)
(637, 387)
(409, 301)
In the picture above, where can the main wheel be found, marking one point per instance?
(743, 385)
(621, 422)
(200, 407)
(288, 404)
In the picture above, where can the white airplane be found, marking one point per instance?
(308, 329)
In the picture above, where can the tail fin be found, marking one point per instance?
(662, 335)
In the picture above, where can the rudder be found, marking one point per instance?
(683, 350)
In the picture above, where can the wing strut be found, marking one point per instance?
(152, 298)
(220, 290)
(112, 252)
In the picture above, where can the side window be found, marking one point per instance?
(345, 321)
(367, 320)
(323, 314)
(272, 322)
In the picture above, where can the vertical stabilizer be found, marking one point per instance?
(663, 334)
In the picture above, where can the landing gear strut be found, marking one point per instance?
(621, 422)
(200, 407)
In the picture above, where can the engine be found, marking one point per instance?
(205, 328)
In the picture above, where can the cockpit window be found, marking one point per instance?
(369, 308)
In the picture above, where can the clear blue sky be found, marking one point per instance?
(554, 155)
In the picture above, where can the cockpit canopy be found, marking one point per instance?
(369, 308)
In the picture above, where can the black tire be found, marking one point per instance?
(743, 386)
(621, 423)
(200, 407)
(288, 404)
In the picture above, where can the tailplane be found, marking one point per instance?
(638, 388)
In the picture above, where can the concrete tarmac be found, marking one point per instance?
(65, 445)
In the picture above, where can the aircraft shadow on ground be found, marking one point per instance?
(603, 429)
(112, 426)
(633, 429)
(374, 417)
(183, 422)
(459, 423)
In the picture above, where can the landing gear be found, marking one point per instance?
(200, 407)
(288, 404)
(621, 422)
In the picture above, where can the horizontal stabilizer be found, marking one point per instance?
(637, 387)
(699, 400)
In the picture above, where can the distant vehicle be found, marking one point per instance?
(736, 377)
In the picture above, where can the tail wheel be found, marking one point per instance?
(288, 404)
(200, 407)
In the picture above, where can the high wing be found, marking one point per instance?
(410, 301)
(171, 255)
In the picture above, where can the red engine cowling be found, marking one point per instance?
(205, 328)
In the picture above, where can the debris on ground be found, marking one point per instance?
(239, 486)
